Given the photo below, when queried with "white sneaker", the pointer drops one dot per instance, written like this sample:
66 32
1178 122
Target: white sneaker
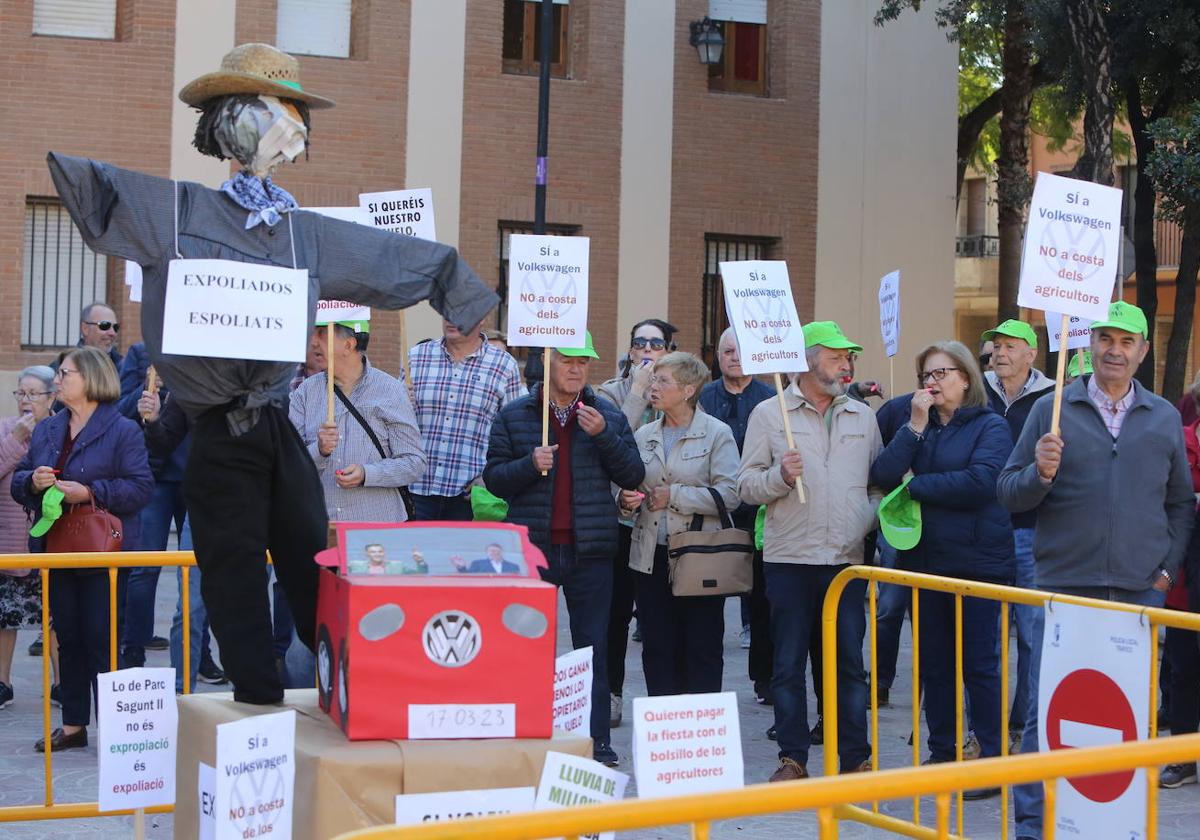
746 638
614 710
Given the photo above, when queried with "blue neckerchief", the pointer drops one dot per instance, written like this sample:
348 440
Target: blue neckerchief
263 199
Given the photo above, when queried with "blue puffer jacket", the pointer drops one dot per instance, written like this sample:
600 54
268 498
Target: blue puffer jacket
964 531
109 457
610 457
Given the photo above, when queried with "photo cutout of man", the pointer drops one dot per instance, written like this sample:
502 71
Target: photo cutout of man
493 564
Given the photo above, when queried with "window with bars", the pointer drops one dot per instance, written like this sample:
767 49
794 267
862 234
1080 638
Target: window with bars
719 248
60 274
507 229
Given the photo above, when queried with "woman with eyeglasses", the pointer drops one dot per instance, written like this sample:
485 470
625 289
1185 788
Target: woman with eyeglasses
649 341
92 454
20 590
955 446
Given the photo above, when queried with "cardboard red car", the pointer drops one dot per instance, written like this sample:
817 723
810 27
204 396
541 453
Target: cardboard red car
435 630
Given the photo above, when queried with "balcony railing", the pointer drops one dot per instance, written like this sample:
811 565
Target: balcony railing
979 245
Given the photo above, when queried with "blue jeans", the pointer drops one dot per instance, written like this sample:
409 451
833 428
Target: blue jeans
892 602
796 593
165 506
1027 799
587 586
197 618
1024 616
443 508
981 671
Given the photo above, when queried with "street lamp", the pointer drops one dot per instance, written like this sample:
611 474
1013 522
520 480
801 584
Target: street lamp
707 39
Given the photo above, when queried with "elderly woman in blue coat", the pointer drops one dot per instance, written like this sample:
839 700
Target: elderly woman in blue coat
955 447
89 452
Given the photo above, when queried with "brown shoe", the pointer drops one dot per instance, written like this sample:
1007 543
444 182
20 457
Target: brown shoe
789 771
60 741
864 767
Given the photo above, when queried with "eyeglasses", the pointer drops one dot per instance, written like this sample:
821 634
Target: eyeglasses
29 395
653 343
937 374
105 326
62 371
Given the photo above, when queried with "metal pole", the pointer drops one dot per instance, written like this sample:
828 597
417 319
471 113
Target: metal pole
534 361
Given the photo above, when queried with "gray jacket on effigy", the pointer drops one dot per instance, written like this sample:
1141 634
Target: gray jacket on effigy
1118 510
149 220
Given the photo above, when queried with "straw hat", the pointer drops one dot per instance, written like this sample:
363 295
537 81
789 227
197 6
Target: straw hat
253 68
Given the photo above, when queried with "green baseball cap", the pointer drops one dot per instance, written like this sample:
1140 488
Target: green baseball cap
1124 316
586 350
52 501
1073 370
828 334
900 518
1013 329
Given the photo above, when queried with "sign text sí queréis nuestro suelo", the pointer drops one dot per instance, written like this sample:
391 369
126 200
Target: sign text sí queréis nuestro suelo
405 211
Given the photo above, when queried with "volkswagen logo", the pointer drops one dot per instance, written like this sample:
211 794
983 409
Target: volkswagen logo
452 639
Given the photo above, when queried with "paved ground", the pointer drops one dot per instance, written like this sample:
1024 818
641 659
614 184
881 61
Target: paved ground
21 778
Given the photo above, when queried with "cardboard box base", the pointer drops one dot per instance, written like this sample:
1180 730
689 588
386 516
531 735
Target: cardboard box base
345 785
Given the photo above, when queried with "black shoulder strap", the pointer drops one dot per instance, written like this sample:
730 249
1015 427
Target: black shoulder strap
361 421
722 513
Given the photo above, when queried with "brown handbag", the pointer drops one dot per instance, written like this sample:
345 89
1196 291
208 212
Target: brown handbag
85 528
711 562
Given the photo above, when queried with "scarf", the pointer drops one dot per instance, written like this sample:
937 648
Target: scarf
265 201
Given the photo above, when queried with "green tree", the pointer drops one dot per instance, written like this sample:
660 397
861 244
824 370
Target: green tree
1175 167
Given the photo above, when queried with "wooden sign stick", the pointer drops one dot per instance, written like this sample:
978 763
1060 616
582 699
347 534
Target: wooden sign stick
545 400
787 431
151 384
1063 352
891 377
329 331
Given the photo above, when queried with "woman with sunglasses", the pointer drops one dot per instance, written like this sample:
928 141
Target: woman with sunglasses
20 590
955 446
649 341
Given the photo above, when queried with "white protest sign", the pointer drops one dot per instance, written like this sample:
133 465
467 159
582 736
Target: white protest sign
419 808
571 780
889 312
341 310
206 795
1092 691
1079 333
256 776
407 212
687 743
236 310
573 692
547 290
133 279
1072 243
137 737
758 300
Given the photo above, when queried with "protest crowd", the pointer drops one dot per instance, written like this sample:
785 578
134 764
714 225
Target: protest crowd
806 474
632 462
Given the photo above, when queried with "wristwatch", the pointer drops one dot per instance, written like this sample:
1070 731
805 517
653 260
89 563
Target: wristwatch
1170 578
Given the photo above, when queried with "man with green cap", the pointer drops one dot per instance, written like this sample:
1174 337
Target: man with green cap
563 494
1112 493
805 545
373 447
1013 386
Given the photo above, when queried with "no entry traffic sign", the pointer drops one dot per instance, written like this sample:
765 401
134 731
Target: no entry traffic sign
1088 709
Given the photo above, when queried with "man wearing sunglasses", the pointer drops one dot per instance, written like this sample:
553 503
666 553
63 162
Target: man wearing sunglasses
98 327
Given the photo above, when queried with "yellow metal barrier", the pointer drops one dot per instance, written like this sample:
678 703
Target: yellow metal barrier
829 796
44 563
960 589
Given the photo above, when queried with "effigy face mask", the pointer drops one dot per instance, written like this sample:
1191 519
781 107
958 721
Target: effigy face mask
261 133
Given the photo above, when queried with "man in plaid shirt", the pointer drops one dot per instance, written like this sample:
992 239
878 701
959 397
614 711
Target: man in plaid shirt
460 382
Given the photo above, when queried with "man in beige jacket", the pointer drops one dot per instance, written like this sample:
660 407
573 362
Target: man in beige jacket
806 544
